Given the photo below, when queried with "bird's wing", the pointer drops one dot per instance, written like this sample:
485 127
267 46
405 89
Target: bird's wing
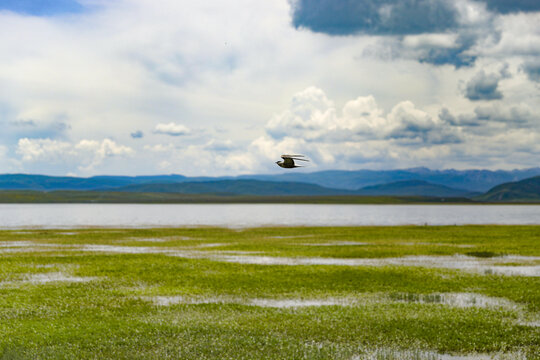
294 157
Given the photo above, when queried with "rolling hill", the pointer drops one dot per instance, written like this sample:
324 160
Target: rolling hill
414 188
237 187
472 180
51 183
527 190
267 188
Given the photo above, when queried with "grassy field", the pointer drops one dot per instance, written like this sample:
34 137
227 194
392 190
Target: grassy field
110 197
470 292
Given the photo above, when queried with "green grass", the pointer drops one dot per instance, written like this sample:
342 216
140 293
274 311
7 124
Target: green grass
383 312
111 197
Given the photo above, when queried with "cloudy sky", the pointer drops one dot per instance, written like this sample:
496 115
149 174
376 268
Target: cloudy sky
216 87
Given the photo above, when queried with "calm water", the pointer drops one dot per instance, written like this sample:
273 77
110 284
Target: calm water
250 215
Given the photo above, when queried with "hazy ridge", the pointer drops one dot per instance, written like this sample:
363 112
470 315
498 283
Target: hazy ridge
391 183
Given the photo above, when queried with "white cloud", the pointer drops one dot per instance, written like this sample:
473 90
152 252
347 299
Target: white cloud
431 40
519 36
130 65
172 129
159 148
87 154
363 136
44 150
313 117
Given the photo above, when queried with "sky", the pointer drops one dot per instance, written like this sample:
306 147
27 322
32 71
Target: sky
211 87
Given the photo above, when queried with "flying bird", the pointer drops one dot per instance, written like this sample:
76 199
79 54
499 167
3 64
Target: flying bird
288 161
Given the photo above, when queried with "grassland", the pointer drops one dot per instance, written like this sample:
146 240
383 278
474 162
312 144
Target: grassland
111 197
271 293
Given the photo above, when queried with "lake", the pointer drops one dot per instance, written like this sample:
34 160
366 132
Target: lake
14 216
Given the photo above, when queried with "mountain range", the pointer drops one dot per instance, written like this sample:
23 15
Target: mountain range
470 180
515 185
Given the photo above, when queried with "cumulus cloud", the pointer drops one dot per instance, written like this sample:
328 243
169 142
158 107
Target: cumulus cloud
313 117
496 117
411 123
374 17
432 31
362 134
396 17
532 69
86 153
511 6
137 134
43 150
172 129
485 86
516 115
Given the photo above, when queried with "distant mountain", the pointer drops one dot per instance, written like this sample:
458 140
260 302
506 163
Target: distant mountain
472 180
414 188
236 187
256 187
527 190
469 180
51 183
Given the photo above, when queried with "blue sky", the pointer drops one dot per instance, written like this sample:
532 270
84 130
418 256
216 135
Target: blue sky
213 88
42 7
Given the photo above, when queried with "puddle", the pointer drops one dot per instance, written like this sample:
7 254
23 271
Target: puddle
161 239
535 323
9 244
463 246
484 266
54 277
462 300
212 245
28 246
145 240
125 249
533 271
270 303
175 300
46 266
233 252
396 354
45 278
293 303
188 254
460 262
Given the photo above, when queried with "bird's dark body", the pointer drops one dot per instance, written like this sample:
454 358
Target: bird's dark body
288 161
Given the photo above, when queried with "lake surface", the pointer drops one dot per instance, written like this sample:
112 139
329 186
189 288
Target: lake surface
14 216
